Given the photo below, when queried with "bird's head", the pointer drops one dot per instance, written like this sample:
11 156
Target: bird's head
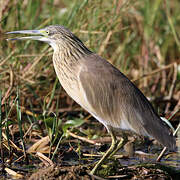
55 35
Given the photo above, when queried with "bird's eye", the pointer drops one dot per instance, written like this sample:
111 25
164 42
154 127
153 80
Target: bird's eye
47 32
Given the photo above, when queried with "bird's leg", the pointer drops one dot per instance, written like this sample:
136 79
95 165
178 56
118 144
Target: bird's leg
107 154
120 143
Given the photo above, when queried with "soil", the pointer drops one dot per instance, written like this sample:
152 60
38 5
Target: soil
79 172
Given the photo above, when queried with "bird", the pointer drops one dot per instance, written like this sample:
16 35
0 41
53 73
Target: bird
101 89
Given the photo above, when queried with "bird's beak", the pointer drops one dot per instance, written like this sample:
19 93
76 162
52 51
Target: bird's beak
42 35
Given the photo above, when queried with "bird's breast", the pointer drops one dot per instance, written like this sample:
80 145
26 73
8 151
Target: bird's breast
69 78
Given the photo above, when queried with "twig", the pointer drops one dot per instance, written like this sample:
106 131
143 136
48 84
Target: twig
29 129
105 42
44 159
26 79
13 173
33 55
90 32
172 87
7 57
177 129
96 177
161 154
18 159
156 82
35 63
23 109
12 143
119 176
92 155
154 72
177 108
163 81
83 138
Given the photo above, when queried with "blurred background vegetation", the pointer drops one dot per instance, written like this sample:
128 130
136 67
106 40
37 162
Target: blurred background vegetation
140 37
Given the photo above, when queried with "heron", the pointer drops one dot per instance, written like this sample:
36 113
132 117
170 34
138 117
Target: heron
101 89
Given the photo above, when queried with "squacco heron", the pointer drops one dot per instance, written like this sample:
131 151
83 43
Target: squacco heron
101 89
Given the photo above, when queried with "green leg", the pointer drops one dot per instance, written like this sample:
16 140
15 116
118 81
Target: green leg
107 154
118 146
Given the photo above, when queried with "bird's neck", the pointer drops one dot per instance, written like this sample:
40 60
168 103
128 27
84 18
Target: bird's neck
72 50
